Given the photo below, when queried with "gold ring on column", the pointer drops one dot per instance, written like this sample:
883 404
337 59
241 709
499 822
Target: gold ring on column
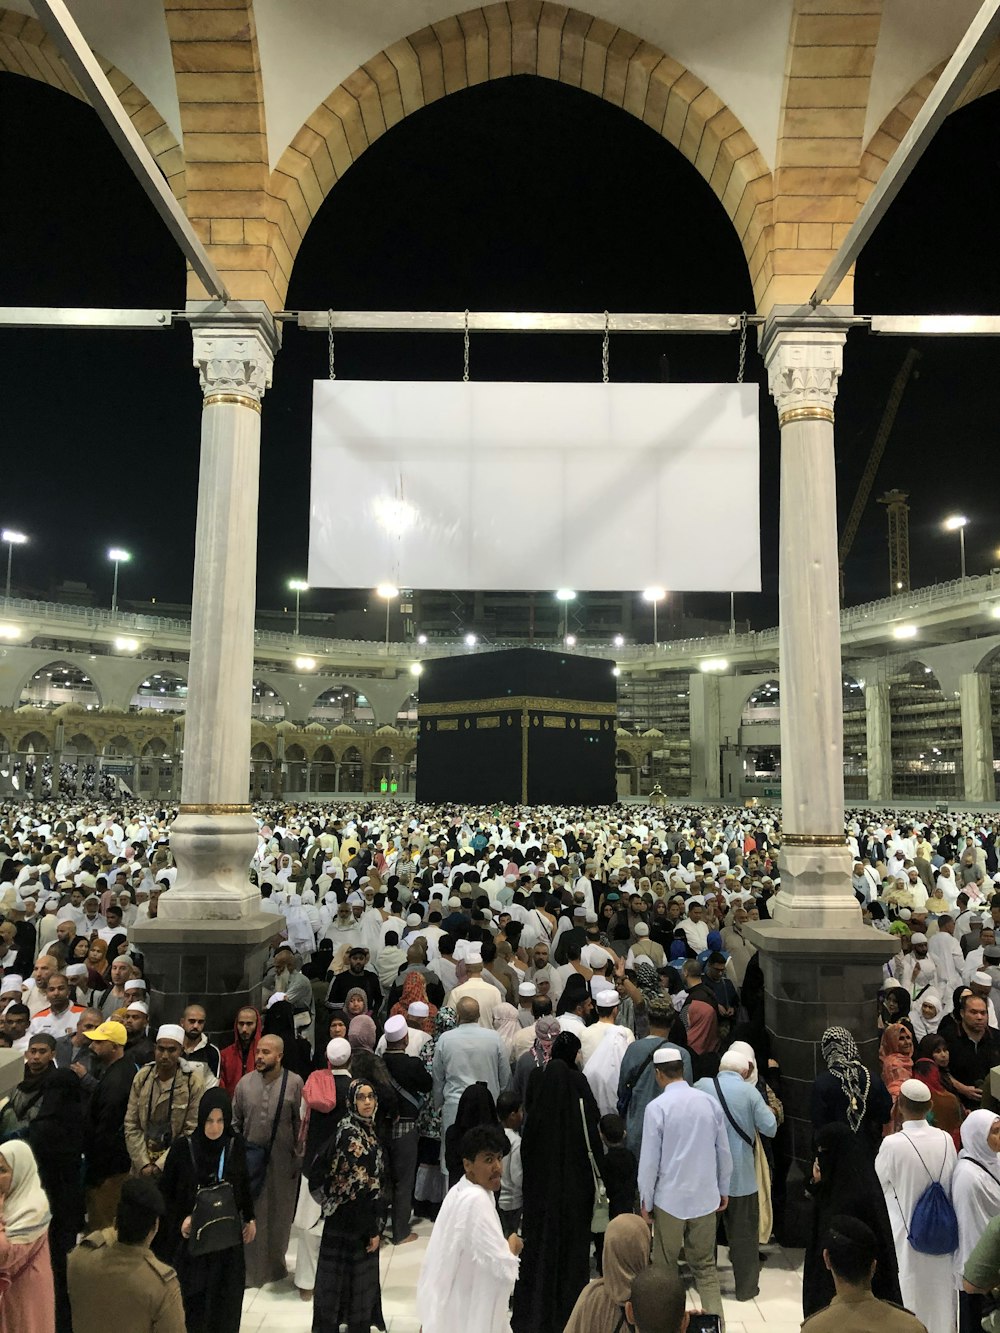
233 400
213 809
813 840
813 413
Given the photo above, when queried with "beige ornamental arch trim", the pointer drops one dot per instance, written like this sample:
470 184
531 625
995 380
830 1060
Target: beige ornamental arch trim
27 49
497 41
889 135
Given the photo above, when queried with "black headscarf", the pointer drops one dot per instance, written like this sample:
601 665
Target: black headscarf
566 1048
476 1107
208 1151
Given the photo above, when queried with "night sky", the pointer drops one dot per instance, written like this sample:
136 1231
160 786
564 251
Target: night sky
520 194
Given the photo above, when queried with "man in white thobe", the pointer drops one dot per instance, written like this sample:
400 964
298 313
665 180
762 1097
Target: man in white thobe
469 1270
906 1164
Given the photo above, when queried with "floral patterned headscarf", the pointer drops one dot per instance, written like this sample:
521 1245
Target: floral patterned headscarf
355 1165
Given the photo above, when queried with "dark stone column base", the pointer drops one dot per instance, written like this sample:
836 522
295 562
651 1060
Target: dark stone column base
218 964
815 979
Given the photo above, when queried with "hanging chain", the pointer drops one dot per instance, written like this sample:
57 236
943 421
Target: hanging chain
605 349
329 340
465 370
743 347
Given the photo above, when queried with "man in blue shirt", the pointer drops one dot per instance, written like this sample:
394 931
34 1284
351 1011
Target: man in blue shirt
637 1071
684 1174
747 1114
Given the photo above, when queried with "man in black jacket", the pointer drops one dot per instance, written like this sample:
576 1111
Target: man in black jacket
975 1049
107 1161
412 1082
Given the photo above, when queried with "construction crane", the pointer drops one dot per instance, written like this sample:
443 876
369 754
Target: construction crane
874 459
898 513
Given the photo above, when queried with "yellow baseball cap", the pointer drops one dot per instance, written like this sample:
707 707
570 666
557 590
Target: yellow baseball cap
109 1031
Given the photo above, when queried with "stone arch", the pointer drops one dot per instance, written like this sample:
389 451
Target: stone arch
499 41
33 742
925 732
154 749
263 689
74 663
763 694
158 673
28 50
118 747
80 742
889 135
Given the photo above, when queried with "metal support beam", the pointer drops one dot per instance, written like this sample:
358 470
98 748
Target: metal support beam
954 326
945 93
82 317
515 321
62 28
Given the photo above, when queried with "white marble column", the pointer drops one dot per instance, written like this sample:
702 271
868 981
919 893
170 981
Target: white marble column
804 366
977 736
878 740
215 835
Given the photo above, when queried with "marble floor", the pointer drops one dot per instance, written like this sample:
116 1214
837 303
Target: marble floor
278 1308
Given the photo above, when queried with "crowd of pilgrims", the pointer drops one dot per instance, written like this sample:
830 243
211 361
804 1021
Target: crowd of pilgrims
542 1029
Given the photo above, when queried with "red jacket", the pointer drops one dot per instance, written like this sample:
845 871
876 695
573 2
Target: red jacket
232 1066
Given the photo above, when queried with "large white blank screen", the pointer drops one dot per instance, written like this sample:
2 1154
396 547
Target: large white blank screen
494 486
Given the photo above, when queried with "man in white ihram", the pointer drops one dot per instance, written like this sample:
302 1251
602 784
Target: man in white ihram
906 1164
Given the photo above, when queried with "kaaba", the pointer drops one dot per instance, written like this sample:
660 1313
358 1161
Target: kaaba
522 726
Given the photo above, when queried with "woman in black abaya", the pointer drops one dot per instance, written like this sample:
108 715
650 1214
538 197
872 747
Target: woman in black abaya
844 1183
555 1262
211 1284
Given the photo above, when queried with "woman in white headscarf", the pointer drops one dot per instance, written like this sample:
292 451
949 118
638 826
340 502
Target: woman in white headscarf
925 1014
975 1196
28 1304
506 1025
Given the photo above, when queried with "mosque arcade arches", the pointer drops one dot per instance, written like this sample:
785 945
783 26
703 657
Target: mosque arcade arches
499 41
27 49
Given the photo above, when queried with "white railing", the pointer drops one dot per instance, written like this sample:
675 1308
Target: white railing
755 643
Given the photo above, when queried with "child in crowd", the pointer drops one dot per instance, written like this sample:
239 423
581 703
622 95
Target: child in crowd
510 1113
621 1174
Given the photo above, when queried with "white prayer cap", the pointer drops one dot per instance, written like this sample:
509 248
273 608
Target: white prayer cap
474 955
641 930
355 900
134 984
414 919
667 1055
696 900
981 979
51 905
591 918
918 938
418 1009
607 999
527 989
72 972
170 1032
904 914
734 1062
395 1028
338 1052
510 879
580 911
278 995
364 880
12 982
137 1007
454 902
915 1091
66 921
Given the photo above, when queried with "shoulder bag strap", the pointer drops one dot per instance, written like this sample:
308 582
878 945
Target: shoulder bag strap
598 1180
729 1115
982 1168
922 1162
633 1079
277 1114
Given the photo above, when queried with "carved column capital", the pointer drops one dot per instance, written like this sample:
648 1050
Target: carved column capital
234 363
803 370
